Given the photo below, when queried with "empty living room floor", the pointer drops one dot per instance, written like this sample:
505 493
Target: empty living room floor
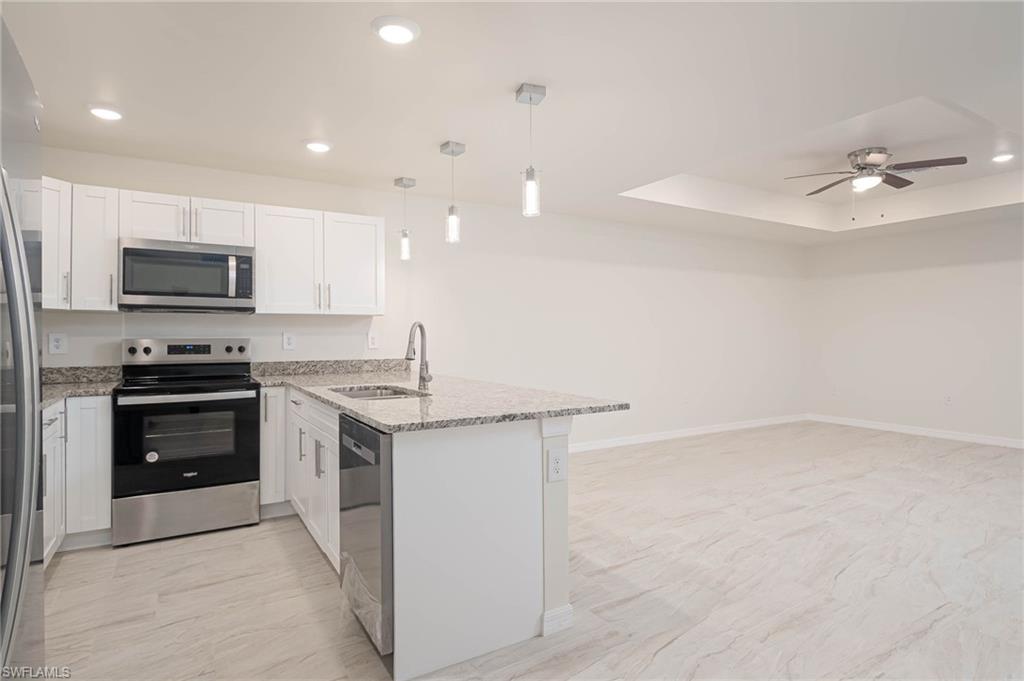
803 551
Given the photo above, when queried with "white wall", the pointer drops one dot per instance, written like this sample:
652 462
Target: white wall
921 329
693 330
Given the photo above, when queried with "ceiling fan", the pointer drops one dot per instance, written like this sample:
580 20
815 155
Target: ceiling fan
870 170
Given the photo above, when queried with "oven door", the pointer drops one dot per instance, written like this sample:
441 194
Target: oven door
164 443
170 275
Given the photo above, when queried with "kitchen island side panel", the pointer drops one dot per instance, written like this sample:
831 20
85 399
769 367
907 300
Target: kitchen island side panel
468 542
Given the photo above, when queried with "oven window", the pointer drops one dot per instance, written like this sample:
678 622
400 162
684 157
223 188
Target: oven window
157 272
189 436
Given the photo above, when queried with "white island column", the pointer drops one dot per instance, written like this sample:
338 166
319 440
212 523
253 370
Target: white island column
555 460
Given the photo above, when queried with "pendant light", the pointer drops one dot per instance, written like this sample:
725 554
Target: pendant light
405 242
531 95
452 225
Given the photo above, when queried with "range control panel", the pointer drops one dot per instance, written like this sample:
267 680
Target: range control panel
183 350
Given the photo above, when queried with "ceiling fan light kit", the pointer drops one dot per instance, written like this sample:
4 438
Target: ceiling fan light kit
871 167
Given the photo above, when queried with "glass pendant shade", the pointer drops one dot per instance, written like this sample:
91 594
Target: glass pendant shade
531 193
405 246
451 226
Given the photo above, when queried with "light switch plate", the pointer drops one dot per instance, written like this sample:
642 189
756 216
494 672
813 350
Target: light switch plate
287 341
58 343
371 341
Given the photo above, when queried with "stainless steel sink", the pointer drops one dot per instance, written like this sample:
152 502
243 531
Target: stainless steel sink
377 392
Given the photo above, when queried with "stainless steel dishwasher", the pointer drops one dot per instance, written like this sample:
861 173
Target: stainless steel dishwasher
367 577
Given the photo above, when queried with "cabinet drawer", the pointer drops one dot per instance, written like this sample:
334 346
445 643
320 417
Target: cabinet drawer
313 411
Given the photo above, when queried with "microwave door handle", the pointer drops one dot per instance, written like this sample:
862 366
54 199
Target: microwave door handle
232 275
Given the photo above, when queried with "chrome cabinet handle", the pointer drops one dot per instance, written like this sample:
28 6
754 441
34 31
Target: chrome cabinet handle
64 427
111 289
67 286
328 296
266 407
195 223
319 298
184 223
302 454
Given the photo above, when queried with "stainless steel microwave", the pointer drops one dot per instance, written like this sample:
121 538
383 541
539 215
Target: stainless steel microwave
171 276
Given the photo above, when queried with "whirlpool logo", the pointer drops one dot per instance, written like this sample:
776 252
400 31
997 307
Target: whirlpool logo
190 474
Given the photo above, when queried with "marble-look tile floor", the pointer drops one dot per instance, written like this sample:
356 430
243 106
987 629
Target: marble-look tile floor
796 551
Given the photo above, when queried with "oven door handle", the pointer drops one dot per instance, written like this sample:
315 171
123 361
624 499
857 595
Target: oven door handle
186 398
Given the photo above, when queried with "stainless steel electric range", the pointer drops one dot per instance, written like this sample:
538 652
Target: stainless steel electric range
186 439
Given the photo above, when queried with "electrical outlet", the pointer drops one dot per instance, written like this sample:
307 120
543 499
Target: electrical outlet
948 400
287 341
557 464
58 343
371 341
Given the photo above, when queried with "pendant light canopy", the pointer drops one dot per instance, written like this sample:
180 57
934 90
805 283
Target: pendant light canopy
405 243
531 95
452 225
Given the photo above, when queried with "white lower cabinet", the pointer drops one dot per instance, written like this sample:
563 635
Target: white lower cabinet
88 455
312 470
54 507
273 448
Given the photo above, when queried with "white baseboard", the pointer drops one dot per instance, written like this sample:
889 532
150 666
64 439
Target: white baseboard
556 620
682 432
644 438
277 510
85 540
976 438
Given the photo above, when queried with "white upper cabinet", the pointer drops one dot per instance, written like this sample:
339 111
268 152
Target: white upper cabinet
288 276
229 223
353 252
56 233
145 215
93 248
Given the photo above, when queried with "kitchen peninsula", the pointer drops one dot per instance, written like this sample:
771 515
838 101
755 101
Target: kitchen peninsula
479 510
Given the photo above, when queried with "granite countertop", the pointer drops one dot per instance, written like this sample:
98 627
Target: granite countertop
452 401
55 392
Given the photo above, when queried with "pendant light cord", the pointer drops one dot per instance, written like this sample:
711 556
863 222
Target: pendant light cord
405 219
531 132
453 179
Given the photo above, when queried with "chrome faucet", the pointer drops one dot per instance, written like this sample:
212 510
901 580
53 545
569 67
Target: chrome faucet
410 353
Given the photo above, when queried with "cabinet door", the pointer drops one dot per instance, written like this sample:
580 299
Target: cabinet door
272 447
60 478
353 253
51 444
295 480
288 276
317 478
55 228
333 463
145 215
228 223
88 463
93 248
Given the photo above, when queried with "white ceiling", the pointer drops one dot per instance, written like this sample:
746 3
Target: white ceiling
637 92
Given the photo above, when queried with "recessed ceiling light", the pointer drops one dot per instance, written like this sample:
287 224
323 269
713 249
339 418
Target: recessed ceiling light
1002 158
318 146
396 30
105 113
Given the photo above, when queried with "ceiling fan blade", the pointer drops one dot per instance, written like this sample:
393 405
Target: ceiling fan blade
895 181
930 163
837 172
828 186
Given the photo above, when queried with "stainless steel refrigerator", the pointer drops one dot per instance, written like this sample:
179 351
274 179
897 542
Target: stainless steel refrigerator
21 542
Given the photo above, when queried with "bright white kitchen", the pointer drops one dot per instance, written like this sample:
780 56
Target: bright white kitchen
706 384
